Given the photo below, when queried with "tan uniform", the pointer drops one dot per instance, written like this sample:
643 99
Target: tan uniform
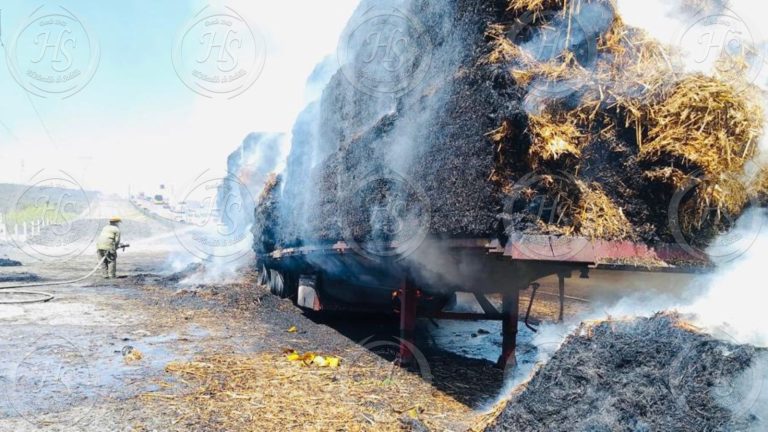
106 246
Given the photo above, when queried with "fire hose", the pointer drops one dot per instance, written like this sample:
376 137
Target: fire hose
44 297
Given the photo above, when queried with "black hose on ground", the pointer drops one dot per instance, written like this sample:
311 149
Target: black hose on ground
45 297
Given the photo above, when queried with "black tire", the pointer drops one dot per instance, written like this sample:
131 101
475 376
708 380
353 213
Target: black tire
275 283
263 276
283 284
290 286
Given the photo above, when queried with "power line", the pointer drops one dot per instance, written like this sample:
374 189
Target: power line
40 118
9 131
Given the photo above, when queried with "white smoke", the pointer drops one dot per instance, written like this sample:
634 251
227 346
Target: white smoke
722 28
732 297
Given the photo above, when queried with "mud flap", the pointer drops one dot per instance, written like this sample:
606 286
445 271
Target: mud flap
308 297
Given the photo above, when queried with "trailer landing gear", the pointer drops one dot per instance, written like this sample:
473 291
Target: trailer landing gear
408 312
408 307
511 312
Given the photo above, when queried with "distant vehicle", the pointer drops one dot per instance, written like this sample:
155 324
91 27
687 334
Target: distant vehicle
158 199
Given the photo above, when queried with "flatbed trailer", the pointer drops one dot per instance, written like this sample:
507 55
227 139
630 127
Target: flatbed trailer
342 276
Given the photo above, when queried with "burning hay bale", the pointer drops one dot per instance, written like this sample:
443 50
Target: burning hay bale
554 142
263 232
640 374
671 128
550 88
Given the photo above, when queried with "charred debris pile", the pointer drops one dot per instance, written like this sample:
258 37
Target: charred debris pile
536 116
643 374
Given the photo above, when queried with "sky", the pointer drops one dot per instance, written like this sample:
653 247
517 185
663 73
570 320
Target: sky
136 123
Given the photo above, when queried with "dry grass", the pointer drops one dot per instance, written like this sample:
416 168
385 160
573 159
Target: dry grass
267 392
597 216
702 122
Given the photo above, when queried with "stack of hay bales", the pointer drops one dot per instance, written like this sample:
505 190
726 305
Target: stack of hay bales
603 121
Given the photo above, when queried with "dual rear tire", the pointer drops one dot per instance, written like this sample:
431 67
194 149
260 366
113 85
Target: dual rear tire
282 284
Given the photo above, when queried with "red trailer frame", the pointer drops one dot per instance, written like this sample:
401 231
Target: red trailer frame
526 259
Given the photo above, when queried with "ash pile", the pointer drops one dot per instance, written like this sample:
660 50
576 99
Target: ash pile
644 374
502 108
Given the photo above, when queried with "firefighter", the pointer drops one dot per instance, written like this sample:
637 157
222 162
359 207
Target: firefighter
107 245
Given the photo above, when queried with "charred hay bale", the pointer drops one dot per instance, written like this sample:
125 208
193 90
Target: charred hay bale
564 205
267 217
432 137
543 203
640 374
629 128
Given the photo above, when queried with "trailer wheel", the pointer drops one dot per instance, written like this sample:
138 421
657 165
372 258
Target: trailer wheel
282 284
263 276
